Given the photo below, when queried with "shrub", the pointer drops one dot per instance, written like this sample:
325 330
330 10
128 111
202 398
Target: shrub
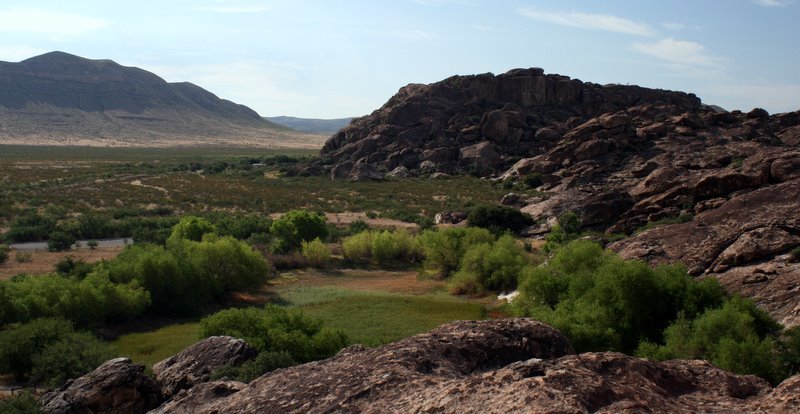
533 180
68 266
498 218
21 256
567 229
316 252
3 253
382 247
443 249
60 241
263 363
49 351
276 329
736 337
602 302
796 254
22 403
92 244
295 227
358 226
86 302
494 266
191 228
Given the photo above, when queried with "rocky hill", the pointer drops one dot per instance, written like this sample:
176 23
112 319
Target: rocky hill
724 187
58 98
499 366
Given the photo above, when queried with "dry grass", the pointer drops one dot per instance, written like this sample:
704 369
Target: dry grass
43 261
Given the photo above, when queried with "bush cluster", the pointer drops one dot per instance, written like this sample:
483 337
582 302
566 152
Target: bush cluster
494 266
498 219
49 352
3 253
381 247
283 337
602 302
316 252
443 249
295 227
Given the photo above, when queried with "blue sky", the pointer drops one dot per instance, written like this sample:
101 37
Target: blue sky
327 59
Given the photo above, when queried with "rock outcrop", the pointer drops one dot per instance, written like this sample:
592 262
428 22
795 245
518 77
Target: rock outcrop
116 387
497 366
194 364
479 123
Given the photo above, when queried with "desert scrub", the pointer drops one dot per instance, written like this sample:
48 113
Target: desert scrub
316 252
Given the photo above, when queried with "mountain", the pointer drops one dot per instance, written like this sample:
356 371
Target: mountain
677 180
311 125
59 98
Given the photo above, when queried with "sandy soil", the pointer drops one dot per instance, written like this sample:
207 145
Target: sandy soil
43 261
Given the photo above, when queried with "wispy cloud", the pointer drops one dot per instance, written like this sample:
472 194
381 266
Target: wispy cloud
772 3
674 26
679 52
588 21
48 22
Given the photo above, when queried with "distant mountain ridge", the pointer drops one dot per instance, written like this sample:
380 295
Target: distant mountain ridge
59 98
311 125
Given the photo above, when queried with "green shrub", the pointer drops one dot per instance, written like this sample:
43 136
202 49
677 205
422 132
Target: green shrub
737 337
316 252
22 403
567 229
21 256
498 218
602 302
295 227
86 302
92 244
534 180
242 226
276 329
49 351
382 247
796 254
60 241
191 228
263 363
494 266
357 226
3 253
443 249
68 266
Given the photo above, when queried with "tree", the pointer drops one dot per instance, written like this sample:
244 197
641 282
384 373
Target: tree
295 227
60 241
3 253
498 218
191 228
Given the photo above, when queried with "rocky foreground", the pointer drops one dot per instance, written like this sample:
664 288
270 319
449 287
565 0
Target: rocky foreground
497 366
621 157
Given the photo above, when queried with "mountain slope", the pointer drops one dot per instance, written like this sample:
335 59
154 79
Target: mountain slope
311 125
58 98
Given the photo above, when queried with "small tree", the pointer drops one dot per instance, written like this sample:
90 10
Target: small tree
295 227
498 218
60 241
92 244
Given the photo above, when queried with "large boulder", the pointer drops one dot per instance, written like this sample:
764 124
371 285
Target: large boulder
195 364
118 386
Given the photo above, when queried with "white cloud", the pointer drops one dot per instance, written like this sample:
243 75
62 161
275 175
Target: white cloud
772 3
588 21
19 53
30 20
679 52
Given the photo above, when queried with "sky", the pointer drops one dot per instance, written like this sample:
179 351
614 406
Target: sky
341 58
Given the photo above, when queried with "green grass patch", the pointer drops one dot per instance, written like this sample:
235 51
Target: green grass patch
376 318
150 347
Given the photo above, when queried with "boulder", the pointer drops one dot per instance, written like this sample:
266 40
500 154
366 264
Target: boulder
195 364
449 217
481 156
118 386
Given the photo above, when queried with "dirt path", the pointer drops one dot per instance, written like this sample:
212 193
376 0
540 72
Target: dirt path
138 183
